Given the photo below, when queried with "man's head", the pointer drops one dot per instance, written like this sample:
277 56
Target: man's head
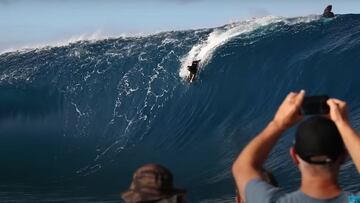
318 141
151 182
328 8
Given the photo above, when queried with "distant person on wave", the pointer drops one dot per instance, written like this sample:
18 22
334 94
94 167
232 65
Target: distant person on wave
193 70
319 150
327 12
153 183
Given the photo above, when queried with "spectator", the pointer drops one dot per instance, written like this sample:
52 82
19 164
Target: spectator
318 153
153 183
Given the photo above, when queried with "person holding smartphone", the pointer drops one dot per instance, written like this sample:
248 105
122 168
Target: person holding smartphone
319 150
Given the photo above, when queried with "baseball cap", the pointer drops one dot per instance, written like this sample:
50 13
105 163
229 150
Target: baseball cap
318 141
151 182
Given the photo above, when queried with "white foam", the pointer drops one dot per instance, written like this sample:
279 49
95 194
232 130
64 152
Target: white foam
204 50
98 35
92 37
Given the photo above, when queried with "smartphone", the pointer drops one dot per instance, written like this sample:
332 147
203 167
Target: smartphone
315 105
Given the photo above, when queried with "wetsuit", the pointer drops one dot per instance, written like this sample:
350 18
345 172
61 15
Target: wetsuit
193 69
194 66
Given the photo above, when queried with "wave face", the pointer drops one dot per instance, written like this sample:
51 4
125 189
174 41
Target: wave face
77 120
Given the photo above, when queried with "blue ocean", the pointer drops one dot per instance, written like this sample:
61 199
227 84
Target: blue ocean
77 120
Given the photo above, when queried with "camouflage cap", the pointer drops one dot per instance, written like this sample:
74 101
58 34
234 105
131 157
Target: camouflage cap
151 182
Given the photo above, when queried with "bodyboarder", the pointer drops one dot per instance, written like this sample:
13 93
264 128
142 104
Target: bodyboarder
193 70
327 12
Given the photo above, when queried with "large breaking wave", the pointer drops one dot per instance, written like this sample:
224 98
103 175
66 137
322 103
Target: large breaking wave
76 120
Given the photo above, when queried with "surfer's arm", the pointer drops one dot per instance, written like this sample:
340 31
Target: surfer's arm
338 114
249 163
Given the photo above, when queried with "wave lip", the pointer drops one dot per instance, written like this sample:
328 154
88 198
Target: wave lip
204 50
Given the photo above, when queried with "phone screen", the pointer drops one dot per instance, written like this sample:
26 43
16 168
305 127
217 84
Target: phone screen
315 105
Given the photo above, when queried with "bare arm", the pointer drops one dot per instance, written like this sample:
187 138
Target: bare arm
338 113
249 163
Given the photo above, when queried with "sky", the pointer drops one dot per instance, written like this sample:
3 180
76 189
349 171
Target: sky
31 23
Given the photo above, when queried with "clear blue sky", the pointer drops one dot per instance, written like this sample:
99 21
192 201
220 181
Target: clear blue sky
30 22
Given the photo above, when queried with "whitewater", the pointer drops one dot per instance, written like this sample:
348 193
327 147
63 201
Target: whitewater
79 117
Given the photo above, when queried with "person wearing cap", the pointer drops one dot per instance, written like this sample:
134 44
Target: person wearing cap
318 152
153 183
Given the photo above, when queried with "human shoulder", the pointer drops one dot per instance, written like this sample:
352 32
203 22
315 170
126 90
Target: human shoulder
259 191
299 196
263 192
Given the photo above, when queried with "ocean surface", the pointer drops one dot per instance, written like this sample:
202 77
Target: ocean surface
77 120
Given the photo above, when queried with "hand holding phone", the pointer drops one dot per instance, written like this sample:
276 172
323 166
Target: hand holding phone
313 105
